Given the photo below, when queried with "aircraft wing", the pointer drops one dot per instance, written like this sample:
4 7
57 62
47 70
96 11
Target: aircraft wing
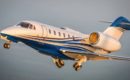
91 56
107 57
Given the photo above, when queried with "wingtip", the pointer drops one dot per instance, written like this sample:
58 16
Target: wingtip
120 58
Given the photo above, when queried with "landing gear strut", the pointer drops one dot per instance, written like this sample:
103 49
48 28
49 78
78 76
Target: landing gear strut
6 45
78 65
58 62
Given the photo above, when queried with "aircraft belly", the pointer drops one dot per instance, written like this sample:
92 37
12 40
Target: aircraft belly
72 55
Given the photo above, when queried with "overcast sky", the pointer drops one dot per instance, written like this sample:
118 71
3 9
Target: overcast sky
23 63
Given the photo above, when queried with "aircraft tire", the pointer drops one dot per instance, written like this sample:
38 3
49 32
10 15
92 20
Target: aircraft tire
6 45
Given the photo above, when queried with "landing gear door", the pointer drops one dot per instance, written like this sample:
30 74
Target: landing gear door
44 31
41 31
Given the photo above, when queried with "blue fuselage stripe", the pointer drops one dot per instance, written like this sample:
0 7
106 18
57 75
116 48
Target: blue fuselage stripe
44 48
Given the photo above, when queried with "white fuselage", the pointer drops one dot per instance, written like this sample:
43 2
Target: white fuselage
38 30
43 30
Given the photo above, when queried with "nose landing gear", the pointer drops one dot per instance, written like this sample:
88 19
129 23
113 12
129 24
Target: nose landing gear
6 45
78 65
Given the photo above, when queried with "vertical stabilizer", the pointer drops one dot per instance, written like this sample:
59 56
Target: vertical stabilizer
117 28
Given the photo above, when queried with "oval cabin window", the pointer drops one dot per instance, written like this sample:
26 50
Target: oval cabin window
54 32
59 34
49 31
64 35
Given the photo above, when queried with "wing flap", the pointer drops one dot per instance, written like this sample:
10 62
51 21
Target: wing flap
91 56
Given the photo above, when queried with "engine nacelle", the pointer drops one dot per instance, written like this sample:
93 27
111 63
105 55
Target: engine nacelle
101 40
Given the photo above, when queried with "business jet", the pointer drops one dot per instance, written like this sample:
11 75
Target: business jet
68 44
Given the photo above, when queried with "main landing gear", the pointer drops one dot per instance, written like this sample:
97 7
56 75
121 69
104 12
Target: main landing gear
58 62
78 65
7 45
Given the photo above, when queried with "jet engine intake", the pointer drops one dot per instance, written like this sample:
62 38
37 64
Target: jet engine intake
101 40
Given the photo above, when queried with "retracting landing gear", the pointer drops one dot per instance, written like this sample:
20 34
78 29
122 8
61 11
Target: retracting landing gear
58 62
78 65
7 45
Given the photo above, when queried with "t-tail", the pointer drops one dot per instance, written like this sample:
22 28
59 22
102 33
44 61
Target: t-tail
117 27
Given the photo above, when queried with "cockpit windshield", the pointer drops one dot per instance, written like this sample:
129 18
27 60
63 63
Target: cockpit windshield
27 25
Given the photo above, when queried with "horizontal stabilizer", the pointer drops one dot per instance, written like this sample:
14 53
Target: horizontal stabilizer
105 21
124 23
121 22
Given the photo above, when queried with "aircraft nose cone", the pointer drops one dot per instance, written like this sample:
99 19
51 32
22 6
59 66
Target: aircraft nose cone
7 31
3 32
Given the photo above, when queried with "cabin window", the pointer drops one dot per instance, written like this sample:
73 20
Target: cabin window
34 27
68 36
73 37
54 32
49 31
59 34
64 34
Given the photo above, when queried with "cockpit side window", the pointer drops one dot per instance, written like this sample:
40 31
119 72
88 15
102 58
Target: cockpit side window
27 25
